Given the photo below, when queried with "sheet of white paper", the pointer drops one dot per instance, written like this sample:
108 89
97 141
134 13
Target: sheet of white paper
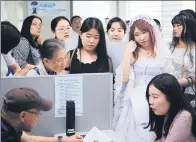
115 136
68 88
95 135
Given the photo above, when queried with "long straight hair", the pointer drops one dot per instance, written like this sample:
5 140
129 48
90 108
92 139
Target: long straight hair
101 51
188 36
25 31
170 87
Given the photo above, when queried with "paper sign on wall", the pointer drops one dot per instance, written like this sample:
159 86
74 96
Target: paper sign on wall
47 8
68 88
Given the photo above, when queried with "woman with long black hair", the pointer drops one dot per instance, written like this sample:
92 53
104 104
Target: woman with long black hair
183 50
26 52
170 116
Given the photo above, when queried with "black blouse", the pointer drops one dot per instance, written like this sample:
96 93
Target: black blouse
77 66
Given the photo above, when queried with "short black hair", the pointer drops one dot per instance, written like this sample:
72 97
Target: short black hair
10 37
127 21
74 17
157 22
116 19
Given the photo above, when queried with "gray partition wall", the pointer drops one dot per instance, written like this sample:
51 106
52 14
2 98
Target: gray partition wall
97 102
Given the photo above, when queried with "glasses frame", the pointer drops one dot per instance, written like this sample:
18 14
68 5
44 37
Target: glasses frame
37 113
37 25
63 30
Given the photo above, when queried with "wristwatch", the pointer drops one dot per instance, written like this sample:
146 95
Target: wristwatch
60 138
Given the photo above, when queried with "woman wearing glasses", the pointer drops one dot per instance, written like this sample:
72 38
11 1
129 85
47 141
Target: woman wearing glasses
26 52
61 29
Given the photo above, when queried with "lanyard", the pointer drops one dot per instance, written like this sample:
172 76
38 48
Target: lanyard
3 126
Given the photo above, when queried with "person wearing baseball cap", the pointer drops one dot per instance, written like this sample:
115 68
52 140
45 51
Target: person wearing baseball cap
20 111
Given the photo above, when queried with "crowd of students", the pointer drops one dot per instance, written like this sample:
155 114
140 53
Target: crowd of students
154 84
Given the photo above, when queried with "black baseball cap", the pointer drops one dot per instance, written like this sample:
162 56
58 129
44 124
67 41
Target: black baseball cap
23 99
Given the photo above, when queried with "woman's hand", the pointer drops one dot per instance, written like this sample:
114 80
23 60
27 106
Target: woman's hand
63 72
131 46
40 40
22 72
30 66
128 54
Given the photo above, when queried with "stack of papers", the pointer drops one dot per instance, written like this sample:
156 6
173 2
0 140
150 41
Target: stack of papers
95 135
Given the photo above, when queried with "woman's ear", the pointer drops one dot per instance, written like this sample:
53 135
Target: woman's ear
54 34
45 61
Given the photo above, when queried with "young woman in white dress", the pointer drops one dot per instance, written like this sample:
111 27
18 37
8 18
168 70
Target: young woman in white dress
145 56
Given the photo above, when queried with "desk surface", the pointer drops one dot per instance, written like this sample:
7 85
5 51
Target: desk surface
109 133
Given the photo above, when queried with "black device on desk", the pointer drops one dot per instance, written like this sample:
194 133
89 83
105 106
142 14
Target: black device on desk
83 135
70 118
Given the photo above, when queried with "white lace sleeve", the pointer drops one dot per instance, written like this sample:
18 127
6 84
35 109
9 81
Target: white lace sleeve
119 85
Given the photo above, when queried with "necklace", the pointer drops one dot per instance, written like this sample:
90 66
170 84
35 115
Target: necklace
147 53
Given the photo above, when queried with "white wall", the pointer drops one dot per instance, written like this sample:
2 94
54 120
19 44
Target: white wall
102 9
189 5
122 10
99 9
3 11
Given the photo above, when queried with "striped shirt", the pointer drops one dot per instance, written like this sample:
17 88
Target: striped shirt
25 54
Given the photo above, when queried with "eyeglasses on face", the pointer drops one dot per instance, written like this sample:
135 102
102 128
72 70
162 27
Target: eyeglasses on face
62 30
37 113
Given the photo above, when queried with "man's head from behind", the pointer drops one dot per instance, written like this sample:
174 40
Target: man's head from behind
107 20
76 22
22 107
158 24
10 37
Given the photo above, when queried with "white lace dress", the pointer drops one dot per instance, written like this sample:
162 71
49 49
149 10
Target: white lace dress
131 110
